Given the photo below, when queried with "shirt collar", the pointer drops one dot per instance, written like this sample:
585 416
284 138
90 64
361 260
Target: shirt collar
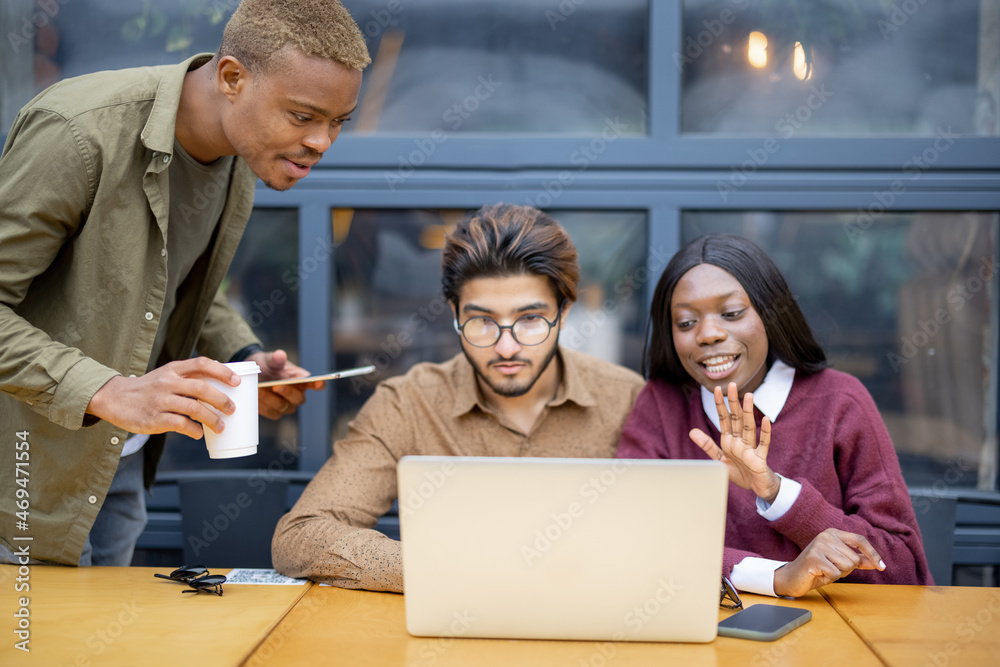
571 388
769 398
158 133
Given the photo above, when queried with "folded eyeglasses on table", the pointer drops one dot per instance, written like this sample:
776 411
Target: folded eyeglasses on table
197 577
729 599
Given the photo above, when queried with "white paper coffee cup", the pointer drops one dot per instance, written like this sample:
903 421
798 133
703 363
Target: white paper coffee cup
240 437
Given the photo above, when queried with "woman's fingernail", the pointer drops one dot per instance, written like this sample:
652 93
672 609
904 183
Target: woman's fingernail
881 565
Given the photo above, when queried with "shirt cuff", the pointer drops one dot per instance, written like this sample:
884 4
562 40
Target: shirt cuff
242 355
755 575
788 493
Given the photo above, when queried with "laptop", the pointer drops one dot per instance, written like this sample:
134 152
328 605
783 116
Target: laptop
548 548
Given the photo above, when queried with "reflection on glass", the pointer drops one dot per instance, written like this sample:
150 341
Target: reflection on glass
93 35
389 311
859 68
905 305
263 286
551 66
801 67
757 49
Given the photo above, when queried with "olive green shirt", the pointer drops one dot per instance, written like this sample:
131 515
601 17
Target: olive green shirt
84 208
435 409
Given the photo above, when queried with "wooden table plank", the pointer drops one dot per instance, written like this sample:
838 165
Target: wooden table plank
363 628
126 616
923 625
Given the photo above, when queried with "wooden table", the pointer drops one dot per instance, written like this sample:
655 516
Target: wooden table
126 616
916 625
361 628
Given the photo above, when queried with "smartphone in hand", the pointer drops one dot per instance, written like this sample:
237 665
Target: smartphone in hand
763 622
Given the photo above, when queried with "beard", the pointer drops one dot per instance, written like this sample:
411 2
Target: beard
511 388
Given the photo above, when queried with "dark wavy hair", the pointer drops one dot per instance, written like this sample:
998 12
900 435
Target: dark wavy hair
507 240
789 337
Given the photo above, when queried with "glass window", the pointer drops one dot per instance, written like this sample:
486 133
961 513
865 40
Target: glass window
262 286
551 66
907 305
92 35
840 67
389 311
526 66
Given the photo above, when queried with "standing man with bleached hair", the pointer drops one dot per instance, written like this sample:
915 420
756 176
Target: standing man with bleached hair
123 196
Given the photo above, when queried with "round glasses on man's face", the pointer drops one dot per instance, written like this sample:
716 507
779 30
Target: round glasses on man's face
527 330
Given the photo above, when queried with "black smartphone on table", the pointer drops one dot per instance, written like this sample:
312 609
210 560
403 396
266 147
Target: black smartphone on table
763 622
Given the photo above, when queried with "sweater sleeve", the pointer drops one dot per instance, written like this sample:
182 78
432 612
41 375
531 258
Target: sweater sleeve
875 500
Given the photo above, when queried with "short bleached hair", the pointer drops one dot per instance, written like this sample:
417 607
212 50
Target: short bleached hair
259 29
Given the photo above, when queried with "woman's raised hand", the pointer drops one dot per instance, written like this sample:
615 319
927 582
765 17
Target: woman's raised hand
738 448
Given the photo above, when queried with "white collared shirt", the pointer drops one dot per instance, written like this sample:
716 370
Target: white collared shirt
756 575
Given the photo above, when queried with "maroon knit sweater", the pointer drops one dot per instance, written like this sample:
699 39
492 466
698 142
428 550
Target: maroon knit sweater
830 438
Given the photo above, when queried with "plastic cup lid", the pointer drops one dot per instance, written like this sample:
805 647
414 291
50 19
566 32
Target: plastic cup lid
244 367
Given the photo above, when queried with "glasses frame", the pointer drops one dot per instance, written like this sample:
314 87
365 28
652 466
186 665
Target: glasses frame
197 577
729 592
210 583
460 329
185 573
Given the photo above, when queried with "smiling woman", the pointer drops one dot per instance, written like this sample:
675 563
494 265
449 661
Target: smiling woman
816 494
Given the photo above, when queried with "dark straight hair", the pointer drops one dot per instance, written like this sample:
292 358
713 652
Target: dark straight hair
789 337
508 240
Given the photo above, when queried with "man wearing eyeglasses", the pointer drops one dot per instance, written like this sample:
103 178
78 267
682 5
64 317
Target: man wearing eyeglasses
510 274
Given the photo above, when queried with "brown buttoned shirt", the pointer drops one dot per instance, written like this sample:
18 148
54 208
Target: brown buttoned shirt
434 409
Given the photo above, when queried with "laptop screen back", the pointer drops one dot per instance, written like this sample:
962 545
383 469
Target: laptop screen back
595 549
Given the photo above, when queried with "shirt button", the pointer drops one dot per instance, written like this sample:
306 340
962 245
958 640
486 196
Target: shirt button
166 159
92 500
163 252
114 440
149 316
132 375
